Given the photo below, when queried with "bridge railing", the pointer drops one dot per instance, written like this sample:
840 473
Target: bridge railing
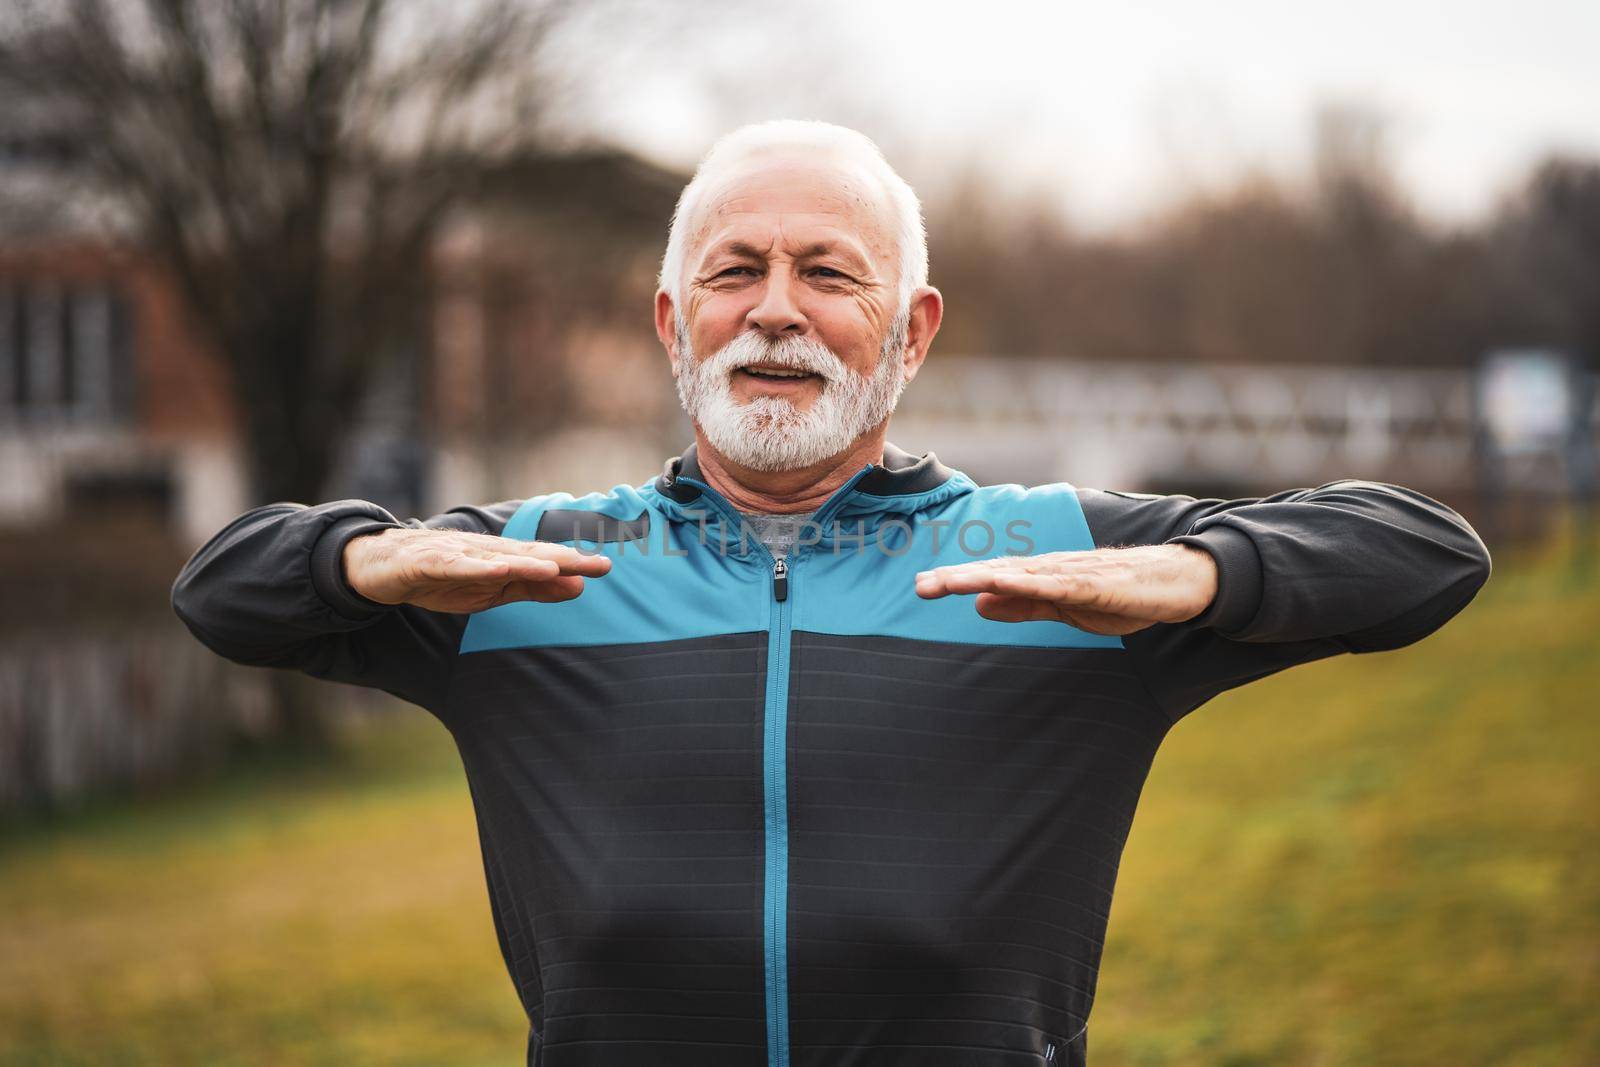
1127 422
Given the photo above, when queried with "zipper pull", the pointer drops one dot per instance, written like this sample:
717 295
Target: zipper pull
780 579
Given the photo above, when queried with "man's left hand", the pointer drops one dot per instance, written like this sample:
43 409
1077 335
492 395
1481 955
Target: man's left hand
1104 591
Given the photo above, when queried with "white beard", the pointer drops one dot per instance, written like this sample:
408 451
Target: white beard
769 433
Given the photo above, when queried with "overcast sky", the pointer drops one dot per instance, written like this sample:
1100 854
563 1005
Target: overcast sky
1113 107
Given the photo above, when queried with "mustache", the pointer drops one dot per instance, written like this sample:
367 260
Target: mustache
790 353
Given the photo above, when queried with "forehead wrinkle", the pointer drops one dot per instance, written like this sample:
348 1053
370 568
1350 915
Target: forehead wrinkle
852 196
740 248
846 245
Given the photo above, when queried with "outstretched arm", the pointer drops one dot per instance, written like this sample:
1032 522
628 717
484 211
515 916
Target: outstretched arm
345 591
1347 566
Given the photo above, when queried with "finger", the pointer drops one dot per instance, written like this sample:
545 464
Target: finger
467 569
547 561
937 582
1015 608
566 587
584 565
551 591
565 556
529 568
1055 587
568 560
479 568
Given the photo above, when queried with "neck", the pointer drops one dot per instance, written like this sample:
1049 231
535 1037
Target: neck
781 492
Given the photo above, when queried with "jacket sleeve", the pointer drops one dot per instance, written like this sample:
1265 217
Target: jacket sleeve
269 590
1348 566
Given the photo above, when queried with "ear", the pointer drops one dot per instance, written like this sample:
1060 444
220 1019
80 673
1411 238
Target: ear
667 327
927 312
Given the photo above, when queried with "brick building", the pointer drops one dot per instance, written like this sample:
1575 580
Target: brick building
107 397
537 354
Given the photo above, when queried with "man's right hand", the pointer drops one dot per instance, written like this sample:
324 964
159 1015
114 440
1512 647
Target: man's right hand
456 572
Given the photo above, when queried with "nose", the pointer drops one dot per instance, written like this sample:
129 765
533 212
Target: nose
777 312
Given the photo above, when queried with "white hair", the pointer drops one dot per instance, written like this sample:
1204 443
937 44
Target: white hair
809 140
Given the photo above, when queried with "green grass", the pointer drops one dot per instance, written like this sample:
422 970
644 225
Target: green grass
1379 859
332 913
1376 860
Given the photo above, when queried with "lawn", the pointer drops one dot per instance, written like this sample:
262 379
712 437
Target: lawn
1378 860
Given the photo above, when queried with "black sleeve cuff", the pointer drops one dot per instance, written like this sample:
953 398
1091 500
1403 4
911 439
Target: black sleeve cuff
1238 596
327 568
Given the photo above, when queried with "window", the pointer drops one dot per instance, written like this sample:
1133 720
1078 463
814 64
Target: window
64 352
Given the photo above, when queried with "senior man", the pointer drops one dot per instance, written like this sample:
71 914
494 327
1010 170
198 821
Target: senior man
757 780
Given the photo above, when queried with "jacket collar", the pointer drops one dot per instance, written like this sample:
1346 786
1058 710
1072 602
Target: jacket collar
900 474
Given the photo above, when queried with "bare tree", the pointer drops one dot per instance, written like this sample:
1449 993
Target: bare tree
288 162
1546 258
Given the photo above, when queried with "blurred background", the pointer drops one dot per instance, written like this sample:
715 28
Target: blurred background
267 250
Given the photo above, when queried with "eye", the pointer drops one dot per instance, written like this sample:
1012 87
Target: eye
828 272
731 271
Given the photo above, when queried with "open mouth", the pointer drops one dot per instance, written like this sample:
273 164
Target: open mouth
780 375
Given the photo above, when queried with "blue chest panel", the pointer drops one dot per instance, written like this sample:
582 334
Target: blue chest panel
867 586
664 587
673 584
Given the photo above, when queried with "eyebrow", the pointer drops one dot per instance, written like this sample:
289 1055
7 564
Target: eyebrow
818 248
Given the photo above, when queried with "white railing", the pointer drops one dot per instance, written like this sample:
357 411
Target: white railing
1100 423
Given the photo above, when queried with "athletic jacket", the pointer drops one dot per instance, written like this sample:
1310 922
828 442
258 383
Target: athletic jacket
736 811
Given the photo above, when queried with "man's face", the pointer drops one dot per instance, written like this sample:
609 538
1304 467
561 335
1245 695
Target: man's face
788 346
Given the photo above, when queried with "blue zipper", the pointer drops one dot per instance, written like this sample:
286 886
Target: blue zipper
774 772
775 802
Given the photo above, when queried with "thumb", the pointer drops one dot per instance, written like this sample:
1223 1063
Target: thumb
1002 608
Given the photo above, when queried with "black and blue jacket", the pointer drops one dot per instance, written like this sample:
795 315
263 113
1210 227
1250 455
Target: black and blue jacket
740 812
